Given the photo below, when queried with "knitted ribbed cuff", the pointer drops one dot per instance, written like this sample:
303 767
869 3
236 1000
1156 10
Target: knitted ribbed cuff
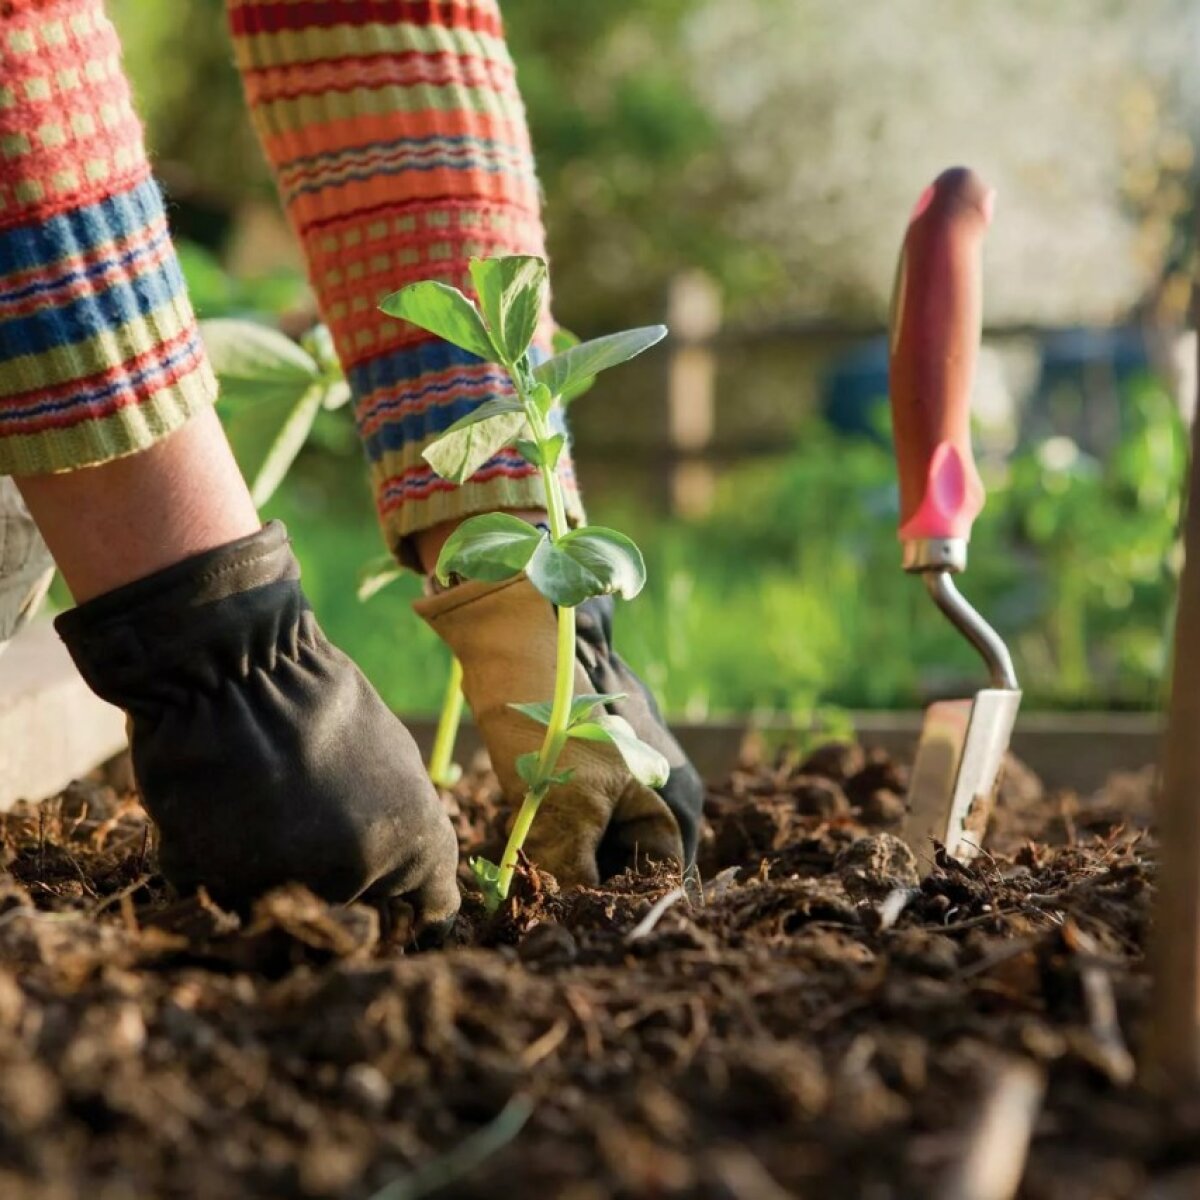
99 353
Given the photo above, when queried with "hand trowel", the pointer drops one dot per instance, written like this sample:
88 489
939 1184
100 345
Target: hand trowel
936 325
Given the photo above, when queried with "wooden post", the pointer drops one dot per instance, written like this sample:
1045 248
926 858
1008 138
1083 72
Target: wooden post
1175 1027
694 316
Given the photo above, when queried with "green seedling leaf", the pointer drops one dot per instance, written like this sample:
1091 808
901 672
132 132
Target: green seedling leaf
512 293
531 452
337 395
318 342
267 435
492 547
245 351
480 435
527 767
443 310
546 453
539 711
542 398
375 575
498 406
487 875
587 562
645 763
563 339
572 372
582 707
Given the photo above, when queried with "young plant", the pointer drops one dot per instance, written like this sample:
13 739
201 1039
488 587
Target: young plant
567 566
272 390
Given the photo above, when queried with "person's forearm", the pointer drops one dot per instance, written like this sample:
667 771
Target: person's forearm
400 147
109 525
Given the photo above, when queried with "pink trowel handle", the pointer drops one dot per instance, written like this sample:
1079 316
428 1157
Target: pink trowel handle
937 314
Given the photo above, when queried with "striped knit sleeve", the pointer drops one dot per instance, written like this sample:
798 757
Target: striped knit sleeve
400 148
99 354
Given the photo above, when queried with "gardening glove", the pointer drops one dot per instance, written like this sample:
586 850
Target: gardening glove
602 820
261 751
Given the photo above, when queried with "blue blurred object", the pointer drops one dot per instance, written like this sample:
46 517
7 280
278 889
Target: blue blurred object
854 392
1077 394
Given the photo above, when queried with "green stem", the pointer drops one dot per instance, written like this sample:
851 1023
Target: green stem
552 746
564 667
441 762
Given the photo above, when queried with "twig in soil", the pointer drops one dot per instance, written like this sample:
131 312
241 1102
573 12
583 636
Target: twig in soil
36 914
586 1016
998 1143
1101 1004
720 883
659 1004
545 1045
472 1152
646 925
118 897
744 1175
1013 949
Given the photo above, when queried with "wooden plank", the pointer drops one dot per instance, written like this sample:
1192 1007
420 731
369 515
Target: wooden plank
1175 1026
1067 750
52 728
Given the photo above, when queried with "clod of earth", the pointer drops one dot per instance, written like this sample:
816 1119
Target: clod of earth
813 1021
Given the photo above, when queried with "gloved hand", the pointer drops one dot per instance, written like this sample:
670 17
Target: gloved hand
261 751
602 821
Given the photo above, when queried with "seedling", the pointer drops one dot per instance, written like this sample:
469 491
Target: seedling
567 566
272 390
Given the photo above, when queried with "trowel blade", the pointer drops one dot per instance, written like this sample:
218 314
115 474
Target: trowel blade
956 772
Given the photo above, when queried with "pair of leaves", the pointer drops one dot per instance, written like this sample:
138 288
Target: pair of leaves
587 562
487 875
645 763
512 293
273 391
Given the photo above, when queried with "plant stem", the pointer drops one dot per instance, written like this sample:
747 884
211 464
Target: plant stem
564 665
441 761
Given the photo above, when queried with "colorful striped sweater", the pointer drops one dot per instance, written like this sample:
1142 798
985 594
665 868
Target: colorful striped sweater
400 148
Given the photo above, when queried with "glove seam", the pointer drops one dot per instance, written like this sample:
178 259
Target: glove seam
91 626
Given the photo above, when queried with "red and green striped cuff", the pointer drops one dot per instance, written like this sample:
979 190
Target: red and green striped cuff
99 354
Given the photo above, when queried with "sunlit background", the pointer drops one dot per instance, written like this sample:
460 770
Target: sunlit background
743 169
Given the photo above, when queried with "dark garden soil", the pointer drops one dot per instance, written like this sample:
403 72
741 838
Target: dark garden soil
812 1021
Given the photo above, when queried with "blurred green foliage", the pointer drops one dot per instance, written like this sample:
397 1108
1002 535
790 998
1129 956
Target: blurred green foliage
790 597
791 594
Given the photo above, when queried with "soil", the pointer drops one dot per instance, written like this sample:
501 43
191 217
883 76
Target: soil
813 1020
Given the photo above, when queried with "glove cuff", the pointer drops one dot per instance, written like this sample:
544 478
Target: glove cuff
217 614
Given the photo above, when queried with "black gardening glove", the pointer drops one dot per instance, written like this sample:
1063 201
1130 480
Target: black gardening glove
684 790
261 751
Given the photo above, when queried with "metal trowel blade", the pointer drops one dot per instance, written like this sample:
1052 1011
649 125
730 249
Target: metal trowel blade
956 772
